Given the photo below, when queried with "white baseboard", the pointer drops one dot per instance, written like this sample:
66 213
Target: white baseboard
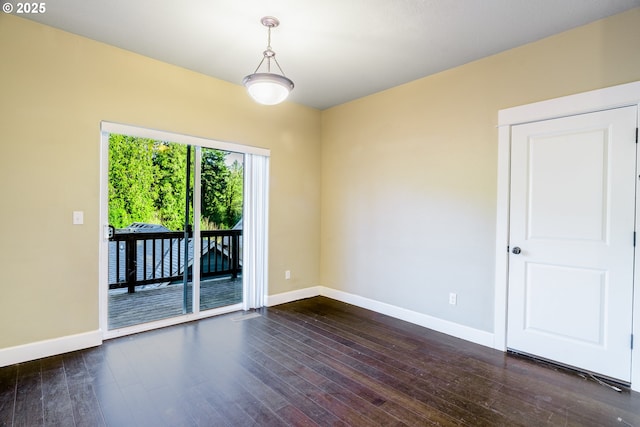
446 327
291 296
46 348
37 350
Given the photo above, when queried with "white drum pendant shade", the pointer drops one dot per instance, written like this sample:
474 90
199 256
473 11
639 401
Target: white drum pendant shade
268 88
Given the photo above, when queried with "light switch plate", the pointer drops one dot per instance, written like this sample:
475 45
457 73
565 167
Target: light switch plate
78 217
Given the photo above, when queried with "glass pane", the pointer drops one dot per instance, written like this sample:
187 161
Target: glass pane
221 189
150 188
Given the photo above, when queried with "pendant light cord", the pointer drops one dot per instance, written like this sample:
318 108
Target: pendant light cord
269 54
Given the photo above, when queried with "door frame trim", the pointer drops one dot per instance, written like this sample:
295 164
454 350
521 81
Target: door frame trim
587 102
258 273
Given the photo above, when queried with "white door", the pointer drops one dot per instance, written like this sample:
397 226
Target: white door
572 240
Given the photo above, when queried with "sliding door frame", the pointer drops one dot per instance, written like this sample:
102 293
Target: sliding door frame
255 225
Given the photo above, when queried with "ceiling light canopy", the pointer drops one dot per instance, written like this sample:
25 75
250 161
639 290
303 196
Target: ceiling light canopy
268 88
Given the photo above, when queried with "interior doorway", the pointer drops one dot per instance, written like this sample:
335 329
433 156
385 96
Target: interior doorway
571 240
173 216
571 230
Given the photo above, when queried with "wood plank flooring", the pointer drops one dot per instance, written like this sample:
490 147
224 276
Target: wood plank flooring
311 362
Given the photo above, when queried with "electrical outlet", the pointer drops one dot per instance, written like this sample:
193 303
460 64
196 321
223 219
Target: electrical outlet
287 274
453 298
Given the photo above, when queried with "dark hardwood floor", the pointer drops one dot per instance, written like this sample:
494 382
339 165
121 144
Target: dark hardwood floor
311 362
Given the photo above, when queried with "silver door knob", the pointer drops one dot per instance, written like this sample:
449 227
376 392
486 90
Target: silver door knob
516 250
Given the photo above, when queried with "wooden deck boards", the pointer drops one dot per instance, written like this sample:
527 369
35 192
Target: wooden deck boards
154 304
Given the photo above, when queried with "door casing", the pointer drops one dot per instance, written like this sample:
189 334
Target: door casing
255 276
597 100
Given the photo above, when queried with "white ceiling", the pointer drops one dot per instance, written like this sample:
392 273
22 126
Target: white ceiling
334 50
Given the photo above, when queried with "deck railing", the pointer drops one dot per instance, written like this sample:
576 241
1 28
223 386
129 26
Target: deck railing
137 259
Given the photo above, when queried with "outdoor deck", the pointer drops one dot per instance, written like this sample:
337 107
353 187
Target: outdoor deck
154 304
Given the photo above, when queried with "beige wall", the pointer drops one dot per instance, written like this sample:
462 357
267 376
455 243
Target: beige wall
397 204
55 88
409 174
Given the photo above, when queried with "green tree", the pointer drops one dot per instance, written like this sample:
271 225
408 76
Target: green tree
213 178
131 180
147 183
234 194
170 159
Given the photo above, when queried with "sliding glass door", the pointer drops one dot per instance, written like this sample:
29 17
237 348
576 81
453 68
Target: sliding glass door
175 221
221 207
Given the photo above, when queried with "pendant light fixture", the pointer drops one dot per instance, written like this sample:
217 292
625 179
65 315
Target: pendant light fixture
268 88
